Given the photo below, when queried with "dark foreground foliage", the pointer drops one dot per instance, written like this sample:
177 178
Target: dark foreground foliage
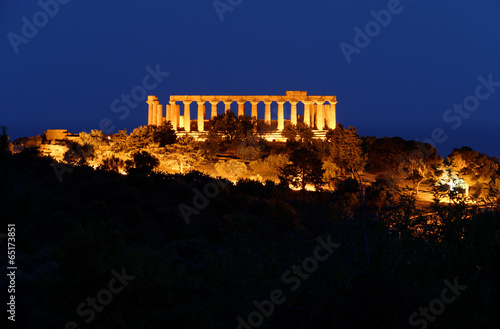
241 239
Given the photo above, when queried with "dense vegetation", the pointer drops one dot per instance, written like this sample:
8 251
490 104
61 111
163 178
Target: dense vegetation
204 251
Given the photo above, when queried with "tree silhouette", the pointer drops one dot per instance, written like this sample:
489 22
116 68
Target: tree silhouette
165 134
305 168
79 154
142 162
4 140
113 164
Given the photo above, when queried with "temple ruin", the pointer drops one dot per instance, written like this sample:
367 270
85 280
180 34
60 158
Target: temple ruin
319 111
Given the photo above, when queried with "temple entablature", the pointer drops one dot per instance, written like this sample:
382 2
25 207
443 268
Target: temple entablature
317 114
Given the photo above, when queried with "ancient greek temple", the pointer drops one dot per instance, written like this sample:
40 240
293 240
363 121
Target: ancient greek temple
319 111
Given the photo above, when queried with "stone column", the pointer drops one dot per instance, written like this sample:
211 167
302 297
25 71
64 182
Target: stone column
254 108
174 115
150 102
333 115
214 108
320 116
314 115
241 108
201 116
267 113
227 106
307 112
293 114
154 119
159 114
281 116
168 116
187 115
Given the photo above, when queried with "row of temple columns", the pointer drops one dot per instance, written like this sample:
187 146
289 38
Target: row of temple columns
316 113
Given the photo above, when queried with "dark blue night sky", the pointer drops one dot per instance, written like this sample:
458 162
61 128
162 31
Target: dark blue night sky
403 80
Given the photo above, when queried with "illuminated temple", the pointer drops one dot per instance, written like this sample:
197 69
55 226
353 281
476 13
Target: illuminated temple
319 111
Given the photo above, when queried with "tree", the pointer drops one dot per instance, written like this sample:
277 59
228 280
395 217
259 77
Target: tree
419 162
224 124
250 149
182 154
140 137
345 149
232 128
332 173
165 134
119 142
232 168
269 168
4 140
95 138
113 164
142 162
382 193
305 168
477 169
301 132
79 154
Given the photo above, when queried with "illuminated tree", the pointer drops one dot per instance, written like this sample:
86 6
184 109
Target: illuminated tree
79 155
94 138
477 169
420 164
269 168
232 128
140 137
301 132
182 155
305 168
345 150
232 168
250 149
119 142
